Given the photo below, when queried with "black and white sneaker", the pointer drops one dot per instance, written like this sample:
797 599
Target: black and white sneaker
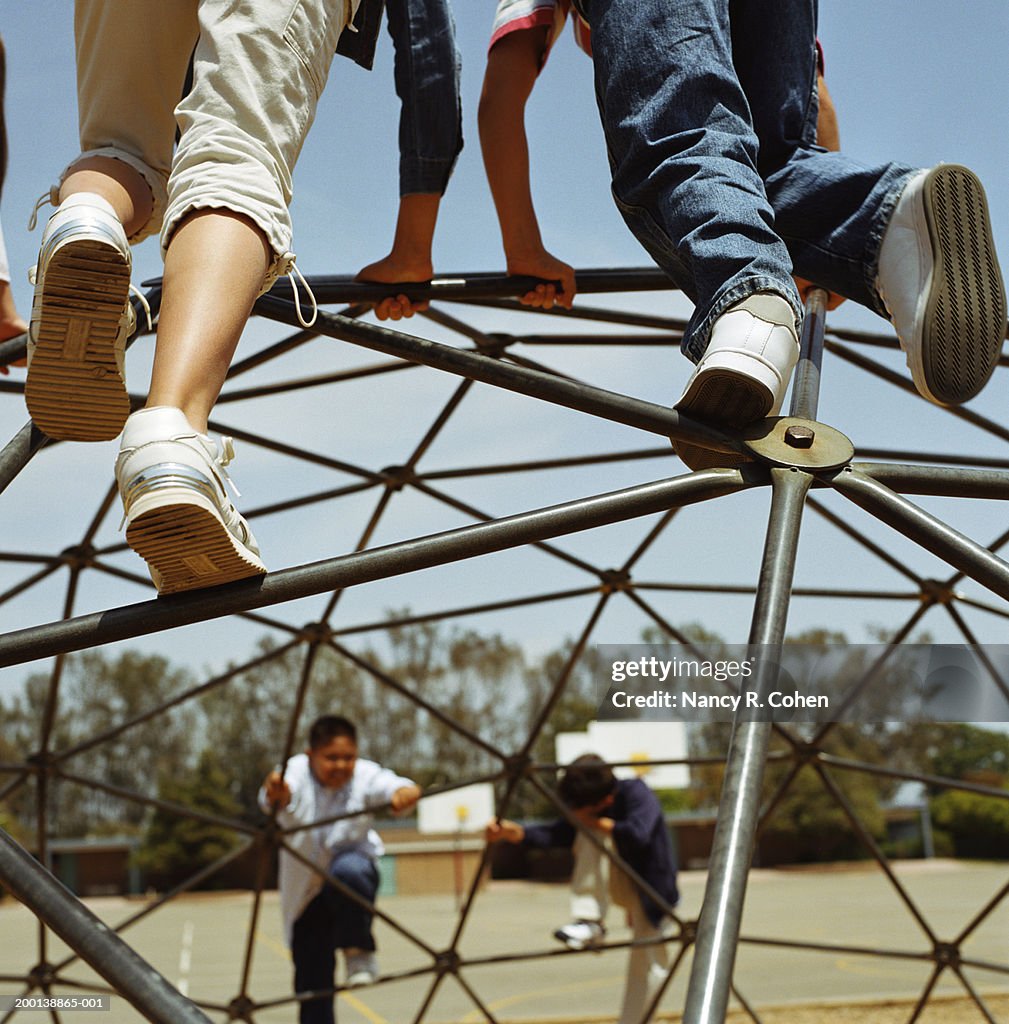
940 281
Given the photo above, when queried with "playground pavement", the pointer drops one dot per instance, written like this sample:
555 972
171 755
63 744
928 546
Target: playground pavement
198 942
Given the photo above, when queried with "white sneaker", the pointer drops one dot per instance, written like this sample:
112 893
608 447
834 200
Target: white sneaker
176 509
744 372
581 934
81 317
362 967
940 281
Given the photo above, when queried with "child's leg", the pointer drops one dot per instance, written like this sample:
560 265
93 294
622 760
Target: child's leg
589 882
646 966
350 921
314 955
258 70
198 330
112 194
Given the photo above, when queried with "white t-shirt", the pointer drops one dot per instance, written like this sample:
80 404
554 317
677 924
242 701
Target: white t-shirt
370 786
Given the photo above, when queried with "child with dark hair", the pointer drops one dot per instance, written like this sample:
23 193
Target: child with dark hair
329 781
626 814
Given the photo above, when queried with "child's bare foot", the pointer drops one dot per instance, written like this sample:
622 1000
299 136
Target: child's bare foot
397 270
11 323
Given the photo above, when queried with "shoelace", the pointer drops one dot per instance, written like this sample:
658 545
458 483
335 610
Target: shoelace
142 299
52 197
225 454
287 267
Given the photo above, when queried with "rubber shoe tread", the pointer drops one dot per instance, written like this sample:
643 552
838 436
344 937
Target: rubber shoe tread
74 389
188 547
965 313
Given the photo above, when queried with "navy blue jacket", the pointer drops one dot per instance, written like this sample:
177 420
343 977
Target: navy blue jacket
639 835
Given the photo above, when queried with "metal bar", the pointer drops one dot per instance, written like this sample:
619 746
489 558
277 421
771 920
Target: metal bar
468 989
80 929
979 652
183 811
664 340
609 405
303 383
190 883
856 535
173 702
840 797
718 925
743 590
848 764
980 916
415 698
475 609
362 567
926 992
904 383
835 947
973 993
269 353
470 510
941 481
931 533
903 455
606 316
13 349
994 546
653 1006
534 465
333 288
806 382
19 451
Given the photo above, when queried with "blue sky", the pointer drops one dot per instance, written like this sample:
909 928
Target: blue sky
920 82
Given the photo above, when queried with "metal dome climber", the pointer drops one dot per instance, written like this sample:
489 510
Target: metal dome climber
790 457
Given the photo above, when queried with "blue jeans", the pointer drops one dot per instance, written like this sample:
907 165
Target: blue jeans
427 82
330 922
709 110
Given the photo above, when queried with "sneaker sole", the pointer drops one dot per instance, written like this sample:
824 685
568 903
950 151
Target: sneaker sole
188 547
574 945
74 390
722 398
965 314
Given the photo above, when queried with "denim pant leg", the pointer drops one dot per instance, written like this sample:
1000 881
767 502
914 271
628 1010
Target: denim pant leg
829 210
313 951
351 921
683 152
427 82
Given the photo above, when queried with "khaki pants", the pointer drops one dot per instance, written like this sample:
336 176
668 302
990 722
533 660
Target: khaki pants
595 882
259 68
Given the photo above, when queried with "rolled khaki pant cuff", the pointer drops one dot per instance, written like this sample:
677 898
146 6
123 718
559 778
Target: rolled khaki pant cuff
156 182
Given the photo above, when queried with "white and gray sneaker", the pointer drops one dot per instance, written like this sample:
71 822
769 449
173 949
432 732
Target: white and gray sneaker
175 506
744 372
581 934
362 967
940 281
81 317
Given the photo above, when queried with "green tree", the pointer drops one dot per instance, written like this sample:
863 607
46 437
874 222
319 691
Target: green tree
175 846
978 825
96 695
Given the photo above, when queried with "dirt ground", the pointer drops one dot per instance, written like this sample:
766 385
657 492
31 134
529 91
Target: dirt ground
940 1011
